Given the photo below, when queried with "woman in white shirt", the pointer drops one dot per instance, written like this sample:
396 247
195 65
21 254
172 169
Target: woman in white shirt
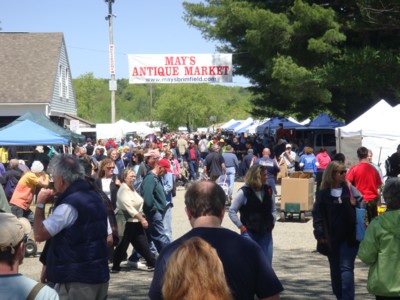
107 181
131 204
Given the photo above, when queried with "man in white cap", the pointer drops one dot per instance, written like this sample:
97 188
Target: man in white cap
13 285
22 198
290 158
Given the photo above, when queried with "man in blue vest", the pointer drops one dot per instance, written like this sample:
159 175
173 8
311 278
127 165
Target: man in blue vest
77 257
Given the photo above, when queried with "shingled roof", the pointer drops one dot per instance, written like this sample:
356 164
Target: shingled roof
28 66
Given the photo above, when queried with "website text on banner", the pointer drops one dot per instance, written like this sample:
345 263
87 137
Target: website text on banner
180 68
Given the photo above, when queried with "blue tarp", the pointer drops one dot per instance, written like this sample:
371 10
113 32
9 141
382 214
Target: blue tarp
44 121
27 133
325 121
274 122
233 126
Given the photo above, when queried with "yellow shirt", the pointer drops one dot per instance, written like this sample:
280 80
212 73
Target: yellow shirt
3 155
24 191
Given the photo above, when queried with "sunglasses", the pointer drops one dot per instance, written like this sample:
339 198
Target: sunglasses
342 172
110 168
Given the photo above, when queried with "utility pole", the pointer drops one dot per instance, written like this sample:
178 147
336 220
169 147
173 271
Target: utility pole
112 83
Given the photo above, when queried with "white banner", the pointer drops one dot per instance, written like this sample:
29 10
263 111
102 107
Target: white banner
180 68
111 58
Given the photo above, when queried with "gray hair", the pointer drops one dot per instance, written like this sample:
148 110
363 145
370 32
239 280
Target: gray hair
68 167
391 193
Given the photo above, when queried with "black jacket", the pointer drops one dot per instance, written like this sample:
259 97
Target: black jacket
113 189
334 219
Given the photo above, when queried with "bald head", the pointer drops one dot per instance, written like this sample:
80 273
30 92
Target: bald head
205 198
266 152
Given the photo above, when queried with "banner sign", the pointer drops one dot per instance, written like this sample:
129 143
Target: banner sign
111 58
180 68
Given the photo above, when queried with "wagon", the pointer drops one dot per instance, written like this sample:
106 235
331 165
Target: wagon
297 198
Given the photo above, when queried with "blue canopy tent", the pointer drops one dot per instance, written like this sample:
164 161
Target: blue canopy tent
273 124
233 126
325 121
44 121
27 133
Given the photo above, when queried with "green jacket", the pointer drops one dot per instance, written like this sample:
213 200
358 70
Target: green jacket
153 194
380 249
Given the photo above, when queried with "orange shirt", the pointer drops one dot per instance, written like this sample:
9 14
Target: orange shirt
23 194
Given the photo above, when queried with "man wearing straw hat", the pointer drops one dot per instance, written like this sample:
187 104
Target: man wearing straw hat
13 285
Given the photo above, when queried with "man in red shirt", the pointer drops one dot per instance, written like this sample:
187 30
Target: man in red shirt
367 180
192 157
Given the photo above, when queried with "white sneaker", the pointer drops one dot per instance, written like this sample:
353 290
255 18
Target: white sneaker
136 264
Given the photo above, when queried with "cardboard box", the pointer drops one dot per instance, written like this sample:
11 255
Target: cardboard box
298 190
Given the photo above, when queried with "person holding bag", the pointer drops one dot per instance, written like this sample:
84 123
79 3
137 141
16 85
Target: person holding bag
131 205
334 221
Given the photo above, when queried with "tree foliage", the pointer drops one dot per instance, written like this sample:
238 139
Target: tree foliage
305 57
173 104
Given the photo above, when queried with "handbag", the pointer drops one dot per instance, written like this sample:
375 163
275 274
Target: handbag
360 223
360 220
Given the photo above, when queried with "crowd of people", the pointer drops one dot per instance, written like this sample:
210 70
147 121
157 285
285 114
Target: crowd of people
109 194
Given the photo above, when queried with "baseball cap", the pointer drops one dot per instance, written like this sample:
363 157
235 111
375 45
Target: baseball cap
222 141
37 167
12 231
191 142
153 153
288 146
165 163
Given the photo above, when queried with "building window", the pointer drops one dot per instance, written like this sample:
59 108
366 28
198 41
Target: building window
66 83
60 81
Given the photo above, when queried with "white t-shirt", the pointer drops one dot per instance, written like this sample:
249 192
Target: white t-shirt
17 286
105 186
64 216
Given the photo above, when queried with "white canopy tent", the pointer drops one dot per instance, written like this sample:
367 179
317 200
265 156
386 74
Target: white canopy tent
108 130
229 123
142 129
377 129
252 129
244 124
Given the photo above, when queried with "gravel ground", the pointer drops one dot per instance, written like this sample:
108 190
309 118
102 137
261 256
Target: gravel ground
304 273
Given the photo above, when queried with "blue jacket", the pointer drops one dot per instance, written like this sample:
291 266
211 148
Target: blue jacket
79 253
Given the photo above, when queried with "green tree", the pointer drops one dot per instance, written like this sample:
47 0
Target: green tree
176 105
90 94
303 57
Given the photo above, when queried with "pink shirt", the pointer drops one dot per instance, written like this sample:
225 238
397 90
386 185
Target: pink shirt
323 160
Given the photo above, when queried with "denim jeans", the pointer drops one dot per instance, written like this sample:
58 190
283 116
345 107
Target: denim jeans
168 222
156 230
341 262
231 172
193 168
264 240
